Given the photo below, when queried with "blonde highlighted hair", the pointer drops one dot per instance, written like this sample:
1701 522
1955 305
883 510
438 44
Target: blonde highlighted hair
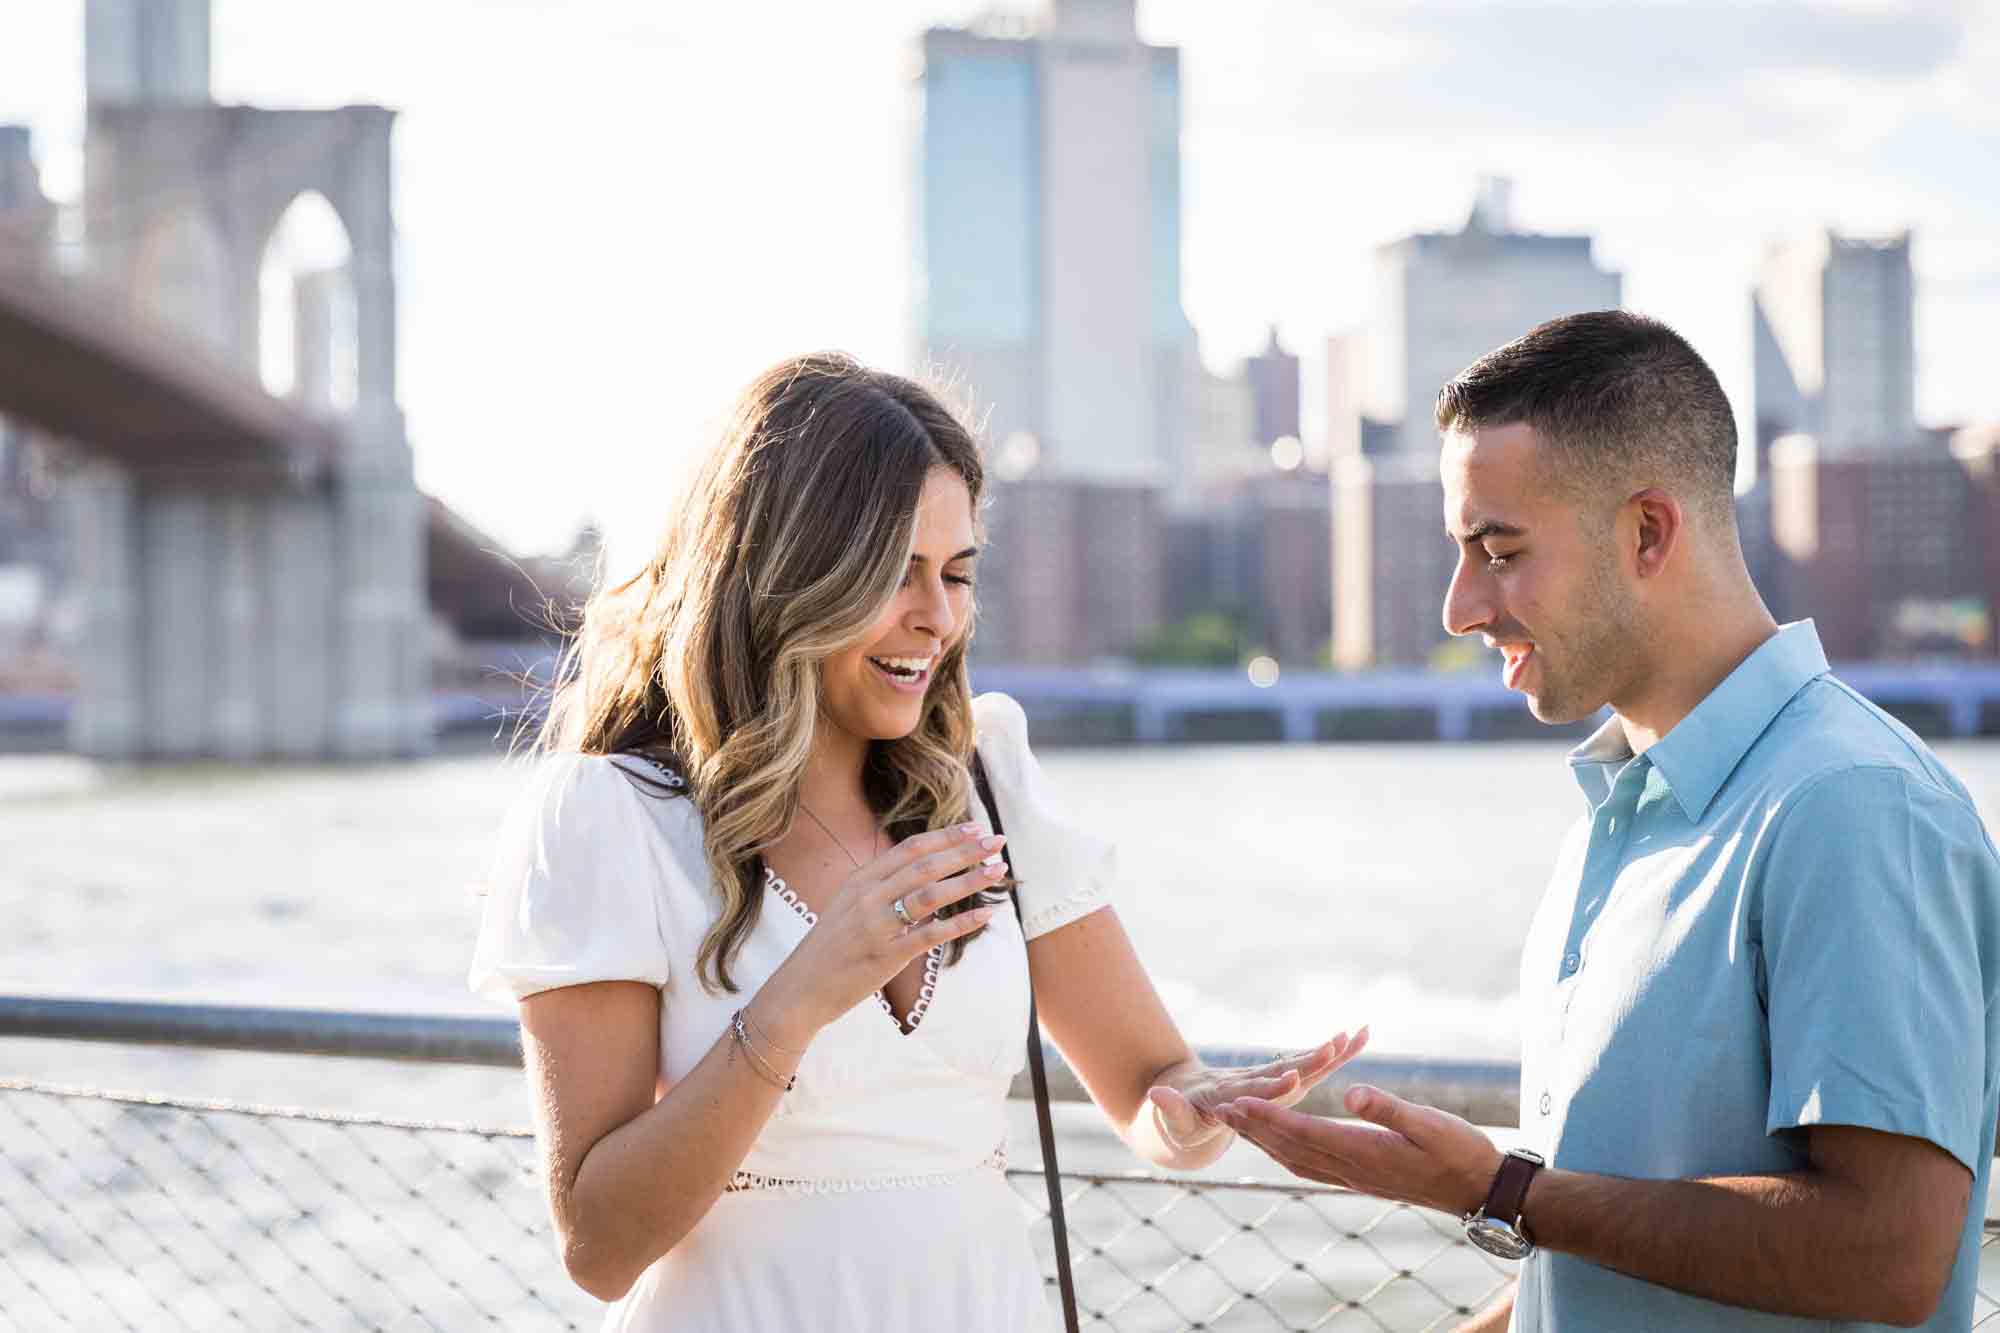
792 540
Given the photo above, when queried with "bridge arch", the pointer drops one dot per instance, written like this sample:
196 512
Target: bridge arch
307 324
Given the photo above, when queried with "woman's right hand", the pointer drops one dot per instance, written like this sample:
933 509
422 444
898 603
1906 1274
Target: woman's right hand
859 943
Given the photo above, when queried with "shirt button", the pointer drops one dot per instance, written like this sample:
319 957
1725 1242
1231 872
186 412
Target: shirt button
1546 1103
1571 962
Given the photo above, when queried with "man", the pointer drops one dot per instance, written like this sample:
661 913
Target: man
1759 995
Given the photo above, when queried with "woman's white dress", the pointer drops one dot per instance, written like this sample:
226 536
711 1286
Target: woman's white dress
873 1200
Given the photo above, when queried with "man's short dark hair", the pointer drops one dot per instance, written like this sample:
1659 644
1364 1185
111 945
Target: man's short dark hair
1618 399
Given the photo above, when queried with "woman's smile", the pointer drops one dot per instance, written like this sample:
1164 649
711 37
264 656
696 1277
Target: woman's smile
908 674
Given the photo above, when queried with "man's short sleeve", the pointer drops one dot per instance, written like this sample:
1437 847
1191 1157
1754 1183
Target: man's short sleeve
1874 930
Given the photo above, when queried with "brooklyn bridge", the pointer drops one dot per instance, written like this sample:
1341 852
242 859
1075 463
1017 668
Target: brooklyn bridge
207 345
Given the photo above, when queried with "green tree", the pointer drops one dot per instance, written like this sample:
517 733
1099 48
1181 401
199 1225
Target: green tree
1207 638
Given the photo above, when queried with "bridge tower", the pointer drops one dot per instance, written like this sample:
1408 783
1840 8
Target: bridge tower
260 611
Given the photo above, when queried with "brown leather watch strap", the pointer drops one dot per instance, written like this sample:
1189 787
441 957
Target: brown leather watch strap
1510 1186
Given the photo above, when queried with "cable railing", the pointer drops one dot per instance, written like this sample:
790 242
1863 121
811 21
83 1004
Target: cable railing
1481 1091
126 1210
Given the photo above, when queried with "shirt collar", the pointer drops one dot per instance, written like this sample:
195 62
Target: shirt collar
1697 756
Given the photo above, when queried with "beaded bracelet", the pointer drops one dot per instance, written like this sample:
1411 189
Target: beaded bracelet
782 1082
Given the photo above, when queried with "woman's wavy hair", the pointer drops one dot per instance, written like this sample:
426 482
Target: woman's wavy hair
790 543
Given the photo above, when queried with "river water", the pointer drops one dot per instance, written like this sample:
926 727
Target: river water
1276 893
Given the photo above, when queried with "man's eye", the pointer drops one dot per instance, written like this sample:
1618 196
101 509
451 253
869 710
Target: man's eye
1500 562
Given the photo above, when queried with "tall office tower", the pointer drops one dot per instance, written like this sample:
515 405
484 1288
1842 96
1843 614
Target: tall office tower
1444 299
1049 246
146 51
1835 343
1048 286
1274 384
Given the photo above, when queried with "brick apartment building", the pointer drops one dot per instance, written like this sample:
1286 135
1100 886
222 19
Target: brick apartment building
1256 548
1099 545
1895 553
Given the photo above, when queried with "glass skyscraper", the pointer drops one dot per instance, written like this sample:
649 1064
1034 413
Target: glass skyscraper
1048 264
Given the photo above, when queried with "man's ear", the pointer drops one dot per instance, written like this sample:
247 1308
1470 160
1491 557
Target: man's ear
1661 526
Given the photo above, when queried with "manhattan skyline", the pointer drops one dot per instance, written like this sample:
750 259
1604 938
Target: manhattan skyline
611 218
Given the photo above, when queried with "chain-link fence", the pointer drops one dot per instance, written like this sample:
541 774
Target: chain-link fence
1157 1253
130 1212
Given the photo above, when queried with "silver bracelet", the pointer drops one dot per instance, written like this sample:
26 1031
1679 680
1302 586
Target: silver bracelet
782 1082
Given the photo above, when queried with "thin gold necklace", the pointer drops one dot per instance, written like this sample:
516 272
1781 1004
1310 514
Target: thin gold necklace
836 837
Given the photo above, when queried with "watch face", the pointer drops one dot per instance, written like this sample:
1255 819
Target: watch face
1497 1238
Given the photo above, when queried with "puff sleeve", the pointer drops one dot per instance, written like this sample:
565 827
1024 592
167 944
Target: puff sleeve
574 891
1065 871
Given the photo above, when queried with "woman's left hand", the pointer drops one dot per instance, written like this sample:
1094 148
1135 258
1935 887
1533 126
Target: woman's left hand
1185 1111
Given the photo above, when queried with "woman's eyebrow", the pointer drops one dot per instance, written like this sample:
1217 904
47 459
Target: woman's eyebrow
966 554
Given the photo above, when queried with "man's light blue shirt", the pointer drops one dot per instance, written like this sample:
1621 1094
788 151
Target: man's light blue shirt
1785 913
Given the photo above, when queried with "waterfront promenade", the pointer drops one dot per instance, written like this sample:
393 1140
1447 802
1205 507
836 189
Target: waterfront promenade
131 1208
1277 892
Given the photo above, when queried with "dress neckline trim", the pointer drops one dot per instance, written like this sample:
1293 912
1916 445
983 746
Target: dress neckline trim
933 959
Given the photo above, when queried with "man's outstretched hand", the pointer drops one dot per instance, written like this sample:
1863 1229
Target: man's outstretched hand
1187 1113
1406 1152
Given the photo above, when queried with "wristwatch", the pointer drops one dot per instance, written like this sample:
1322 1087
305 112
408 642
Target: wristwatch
1495 1226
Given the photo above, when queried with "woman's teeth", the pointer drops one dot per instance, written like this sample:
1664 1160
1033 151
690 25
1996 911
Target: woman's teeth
906 667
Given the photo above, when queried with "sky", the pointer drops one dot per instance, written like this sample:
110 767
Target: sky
613 213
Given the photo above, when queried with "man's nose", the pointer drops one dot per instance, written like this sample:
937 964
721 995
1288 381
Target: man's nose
1468 601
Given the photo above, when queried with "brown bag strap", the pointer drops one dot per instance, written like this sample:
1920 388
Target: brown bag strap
1043 1121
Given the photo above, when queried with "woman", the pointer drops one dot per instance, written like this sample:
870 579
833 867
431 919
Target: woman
771 993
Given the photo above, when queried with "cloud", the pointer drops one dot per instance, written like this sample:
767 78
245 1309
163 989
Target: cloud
1563 68
1682 136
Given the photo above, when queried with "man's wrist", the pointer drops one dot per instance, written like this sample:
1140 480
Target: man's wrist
1480 1184
1538 1193
1496 1224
